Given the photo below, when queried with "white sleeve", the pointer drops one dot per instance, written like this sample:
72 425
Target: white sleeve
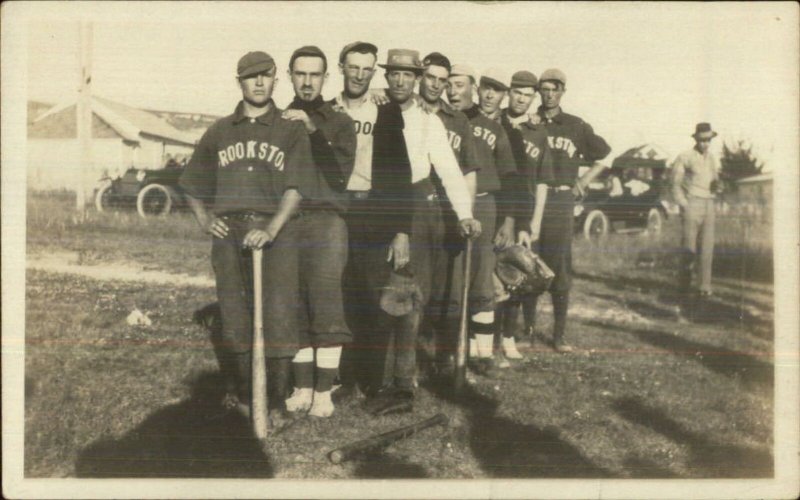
446 167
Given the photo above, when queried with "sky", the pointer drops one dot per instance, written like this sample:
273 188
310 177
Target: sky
636 72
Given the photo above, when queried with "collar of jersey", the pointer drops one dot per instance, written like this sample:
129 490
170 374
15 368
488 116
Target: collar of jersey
472 112
556 119
446 108
265 119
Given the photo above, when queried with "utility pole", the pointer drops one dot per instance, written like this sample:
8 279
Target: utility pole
84 113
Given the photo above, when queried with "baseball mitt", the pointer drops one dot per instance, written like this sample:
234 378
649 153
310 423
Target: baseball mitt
522 272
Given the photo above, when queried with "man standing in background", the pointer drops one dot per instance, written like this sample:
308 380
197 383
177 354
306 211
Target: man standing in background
573 143
694 182
520 98
322 236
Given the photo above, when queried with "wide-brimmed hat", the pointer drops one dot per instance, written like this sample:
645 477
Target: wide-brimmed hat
402 59
703 131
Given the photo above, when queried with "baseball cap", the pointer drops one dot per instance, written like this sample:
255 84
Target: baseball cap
358 47
523 79
554 75
437 59
253 63
463 70
402 59
495 77
308 50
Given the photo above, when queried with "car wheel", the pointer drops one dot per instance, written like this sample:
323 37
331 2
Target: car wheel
654 221
595 226
102 199
153 200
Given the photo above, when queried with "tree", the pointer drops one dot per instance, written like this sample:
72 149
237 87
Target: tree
739 161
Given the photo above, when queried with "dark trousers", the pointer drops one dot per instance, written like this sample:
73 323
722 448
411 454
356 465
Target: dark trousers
385 346
233 268
322 247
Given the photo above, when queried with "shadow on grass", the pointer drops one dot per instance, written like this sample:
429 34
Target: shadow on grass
508 449
638 306
623 282
707 458
378 465
194 438
751 371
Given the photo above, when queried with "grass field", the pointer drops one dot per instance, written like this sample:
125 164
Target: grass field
644 396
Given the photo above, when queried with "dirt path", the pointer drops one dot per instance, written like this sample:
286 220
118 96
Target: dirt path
69 263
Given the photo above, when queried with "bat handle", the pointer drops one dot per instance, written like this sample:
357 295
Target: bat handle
463 327
258 398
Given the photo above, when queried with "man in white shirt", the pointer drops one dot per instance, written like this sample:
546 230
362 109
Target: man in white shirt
409 144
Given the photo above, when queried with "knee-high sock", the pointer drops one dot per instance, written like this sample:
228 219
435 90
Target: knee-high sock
303 368
327 366
560 306
482 324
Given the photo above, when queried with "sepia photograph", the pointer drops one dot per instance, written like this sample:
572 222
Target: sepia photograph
400 249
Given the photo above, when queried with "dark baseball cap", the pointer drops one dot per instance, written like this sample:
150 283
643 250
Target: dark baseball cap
253 63
308 51
437 59
523 79
364 47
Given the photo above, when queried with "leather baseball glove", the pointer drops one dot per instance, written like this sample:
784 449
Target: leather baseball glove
522 272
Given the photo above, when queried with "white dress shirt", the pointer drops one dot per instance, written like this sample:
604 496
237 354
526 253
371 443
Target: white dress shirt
364 116
426 142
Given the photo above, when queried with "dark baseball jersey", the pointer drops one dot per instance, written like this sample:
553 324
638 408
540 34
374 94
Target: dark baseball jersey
459 135
493 151
246 163
333 148
536 167
573 143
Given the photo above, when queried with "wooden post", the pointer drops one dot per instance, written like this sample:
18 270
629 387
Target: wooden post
84 114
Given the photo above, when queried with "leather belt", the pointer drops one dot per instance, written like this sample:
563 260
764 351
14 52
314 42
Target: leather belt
245 215
563 187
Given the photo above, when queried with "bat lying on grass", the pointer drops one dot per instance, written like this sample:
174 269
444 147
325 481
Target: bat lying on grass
349 451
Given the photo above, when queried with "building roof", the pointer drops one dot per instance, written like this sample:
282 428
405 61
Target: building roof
644 155
129 123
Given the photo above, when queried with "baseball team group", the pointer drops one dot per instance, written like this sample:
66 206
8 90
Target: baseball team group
362 206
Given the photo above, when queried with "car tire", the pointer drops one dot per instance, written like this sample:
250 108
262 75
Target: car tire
595 226
101 198
655 222
154 200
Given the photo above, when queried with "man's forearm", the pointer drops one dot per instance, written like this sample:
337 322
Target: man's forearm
472 184
289 203
199 210
538 209
591 175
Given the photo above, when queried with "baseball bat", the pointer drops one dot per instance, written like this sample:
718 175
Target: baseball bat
347 452
258 398
460 373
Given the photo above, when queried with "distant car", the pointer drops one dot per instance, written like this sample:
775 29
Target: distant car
628 197
152 192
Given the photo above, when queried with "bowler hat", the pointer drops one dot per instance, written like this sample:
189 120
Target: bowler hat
402 59
703 131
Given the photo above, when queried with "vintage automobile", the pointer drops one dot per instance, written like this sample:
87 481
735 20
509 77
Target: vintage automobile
627 197
152 192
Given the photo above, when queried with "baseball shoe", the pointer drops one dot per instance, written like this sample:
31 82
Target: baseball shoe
561 346
341 394
322 405
510 348
500 361
301 399
481 366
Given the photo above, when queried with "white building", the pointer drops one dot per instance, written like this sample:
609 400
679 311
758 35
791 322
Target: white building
122 137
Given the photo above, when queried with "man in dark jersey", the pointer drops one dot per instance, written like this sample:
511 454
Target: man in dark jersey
244 183
573 144
496 180
520 98
322 235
